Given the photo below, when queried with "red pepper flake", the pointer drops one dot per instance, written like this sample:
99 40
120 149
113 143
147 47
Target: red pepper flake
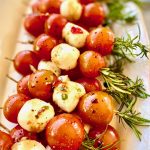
76 30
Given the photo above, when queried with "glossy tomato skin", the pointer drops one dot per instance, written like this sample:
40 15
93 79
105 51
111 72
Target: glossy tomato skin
101 40
93 14
90 63
49 6
22 86
40 84
54 25
109 138
43 46
5 141
65 132
34 23
90 84
86 1
13 105
17 133
23 60
96 108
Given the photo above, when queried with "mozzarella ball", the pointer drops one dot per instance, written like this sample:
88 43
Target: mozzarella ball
67 94
28 145
65 56
74 35
48 65
64 78
71 9
34 115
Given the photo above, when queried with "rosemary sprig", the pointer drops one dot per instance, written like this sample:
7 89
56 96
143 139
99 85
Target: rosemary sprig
133 119
125 48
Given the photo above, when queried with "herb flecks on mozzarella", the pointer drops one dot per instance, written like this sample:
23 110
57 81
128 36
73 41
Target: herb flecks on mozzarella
28 144
75 35
67 94
34 115
71 9
48 65
65 56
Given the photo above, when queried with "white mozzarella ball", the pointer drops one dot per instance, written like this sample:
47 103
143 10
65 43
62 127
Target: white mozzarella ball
71 9
64 78
48 65
35 114
67 94
74 35
28 145
65 56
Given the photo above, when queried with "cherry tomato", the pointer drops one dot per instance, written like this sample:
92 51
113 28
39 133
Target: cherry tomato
23 60
90 84
43 46
5 141
40 84
54 25
49 6
65 132
17 133
34 23
93 14
73 74
101 40
90 63
109 138
13 105
86 1
96 108
22 86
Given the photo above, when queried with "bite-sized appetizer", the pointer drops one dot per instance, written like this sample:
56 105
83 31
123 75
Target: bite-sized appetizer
54 25
65 56
71 9
40 84
43 45
28 144
65 132
74 35
48 65
13 105
96 108
34 23
67 94
5 141
34 115
90 63
24 60
101 40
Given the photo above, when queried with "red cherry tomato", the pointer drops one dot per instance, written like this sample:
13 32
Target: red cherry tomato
101 40
96 108
90 63
54 25
93 14
73 74
109 138
13 105
5 141
49 6
90 84
43 46
40 84
17 133
23 60
34 23
22 86
65 132
86 1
